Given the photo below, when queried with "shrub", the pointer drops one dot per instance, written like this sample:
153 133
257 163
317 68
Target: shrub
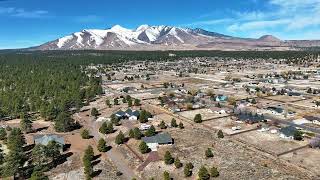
214 172
85 134
209 153
203 173
177 163
220 134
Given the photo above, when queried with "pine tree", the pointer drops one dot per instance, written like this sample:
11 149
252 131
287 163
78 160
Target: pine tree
109 128
120 138
162 125
115 101
177 163
88 153
166 175
85 134
137 102
1 156
197 118
130 103
124 100
144 148
103 128
3 134
131 133
174 122
26 124
64 123
143 117
187 170
106 128
220 134
88 168
209 153
137 133
151 131
214 172
38 175
94 112
115 120
102 147
108 103
168 159
181 126
189 165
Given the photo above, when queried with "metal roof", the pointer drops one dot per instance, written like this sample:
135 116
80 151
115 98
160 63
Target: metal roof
45 139
163 138
288 131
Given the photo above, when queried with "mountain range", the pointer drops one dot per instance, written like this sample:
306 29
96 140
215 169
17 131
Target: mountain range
162 37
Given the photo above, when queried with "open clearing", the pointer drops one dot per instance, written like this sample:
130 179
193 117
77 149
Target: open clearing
269 142
205 113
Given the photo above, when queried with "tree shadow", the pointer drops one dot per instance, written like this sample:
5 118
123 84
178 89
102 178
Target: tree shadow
95 162
40 129
60 160
108 148
96 173
66 147
28 147
96 157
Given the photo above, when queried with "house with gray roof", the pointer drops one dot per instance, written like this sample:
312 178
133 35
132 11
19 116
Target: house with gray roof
287 132
44 139
159 139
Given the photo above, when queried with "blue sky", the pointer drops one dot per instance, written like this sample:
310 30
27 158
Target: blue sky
27 23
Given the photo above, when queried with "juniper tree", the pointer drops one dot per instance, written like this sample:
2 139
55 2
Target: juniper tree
168 159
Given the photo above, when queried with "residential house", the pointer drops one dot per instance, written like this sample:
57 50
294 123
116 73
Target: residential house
155 141
120 114
44 139
132 115
129 113
218 110
250 118
293 93
275 110
287 132
313 119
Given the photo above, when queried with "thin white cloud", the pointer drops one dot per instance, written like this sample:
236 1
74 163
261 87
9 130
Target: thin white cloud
286 16
211 22
258 25
22 13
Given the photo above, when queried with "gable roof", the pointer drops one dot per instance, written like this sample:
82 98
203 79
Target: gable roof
162 138
120 113
45 139
288 131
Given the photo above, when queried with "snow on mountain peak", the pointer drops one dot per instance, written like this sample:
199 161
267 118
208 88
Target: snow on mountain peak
142 27
119 28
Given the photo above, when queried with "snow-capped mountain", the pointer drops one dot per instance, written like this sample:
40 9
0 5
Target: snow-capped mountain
147 37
